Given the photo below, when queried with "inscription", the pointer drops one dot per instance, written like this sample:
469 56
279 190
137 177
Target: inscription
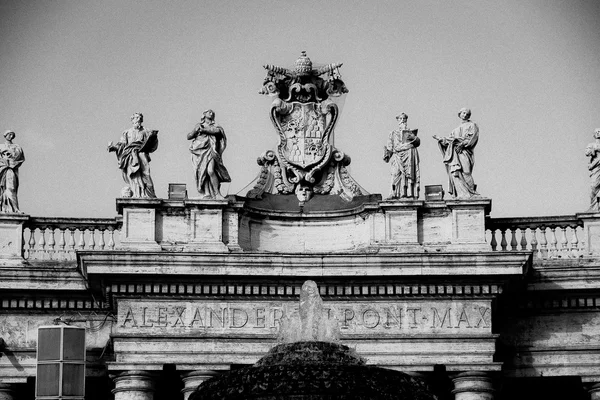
469 317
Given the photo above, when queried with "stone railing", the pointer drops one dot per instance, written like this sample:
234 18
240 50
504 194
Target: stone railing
548 237
58 238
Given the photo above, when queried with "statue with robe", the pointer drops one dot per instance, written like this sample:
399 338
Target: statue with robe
593 152
133 157
208 143
401 152
11 158
458 155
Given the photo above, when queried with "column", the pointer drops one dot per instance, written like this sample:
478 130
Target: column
594 391
473 386
192 380
134 385
6 392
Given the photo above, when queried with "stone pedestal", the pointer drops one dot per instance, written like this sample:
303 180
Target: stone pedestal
468 224
206 225
134 385
192 380
473 386
6 392
11 235
591 232
139 223
400 221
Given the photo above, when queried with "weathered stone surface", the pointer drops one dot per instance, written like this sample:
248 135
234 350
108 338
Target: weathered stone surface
401 152
11 158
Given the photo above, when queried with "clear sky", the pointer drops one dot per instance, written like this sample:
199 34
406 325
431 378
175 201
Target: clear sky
73 72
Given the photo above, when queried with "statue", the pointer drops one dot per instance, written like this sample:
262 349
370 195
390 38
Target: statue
208 143
457 151
311 322
593 152
304 113
133 156
401 150
11 158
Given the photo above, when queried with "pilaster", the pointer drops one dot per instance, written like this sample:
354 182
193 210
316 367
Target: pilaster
473 386
134 385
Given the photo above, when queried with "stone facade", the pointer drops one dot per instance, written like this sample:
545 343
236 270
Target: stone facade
172 292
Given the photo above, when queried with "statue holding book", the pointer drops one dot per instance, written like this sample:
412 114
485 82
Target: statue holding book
401 152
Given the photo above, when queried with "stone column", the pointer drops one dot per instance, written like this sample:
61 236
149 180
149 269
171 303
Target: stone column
192 380
594 391
6 392
473 386
134 385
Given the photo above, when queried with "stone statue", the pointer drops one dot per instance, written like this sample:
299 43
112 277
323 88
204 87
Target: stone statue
593 152
11 158
457 150
401 150
311 322
208 143
133 156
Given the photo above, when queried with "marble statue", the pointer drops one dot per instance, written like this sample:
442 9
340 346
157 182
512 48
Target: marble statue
457 151
593 152
11 158
401 152
133 156
208 143
304 113
312 322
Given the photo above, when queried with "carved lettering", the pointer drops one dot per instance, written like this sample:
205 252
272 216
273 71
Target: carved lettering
392 318
242 319
146 323
260 318
197 318
179 311
441 320
129 317
370 318
221 318
463 317
413 320
276 317
161 318
482 313
348 316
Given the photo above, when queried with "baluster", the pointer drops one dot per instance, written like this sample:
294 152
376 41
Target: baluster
71 243
25 244
42 243
493 242
101 243
564 243
31 241
111 239
534 242
543 243
503 243
92 242
553 242
574 242
51 242
81 244
523 239
513 239
61 241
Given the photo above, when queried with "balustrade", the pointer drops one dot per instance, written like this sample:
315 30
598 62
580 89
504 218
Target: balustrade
58 238
548 237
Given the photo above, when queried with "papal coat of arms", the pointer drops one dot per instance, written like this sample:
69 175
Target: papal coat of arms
304 114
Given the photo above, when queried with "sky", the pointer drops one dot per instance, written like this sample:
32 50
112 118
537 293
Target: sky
73 72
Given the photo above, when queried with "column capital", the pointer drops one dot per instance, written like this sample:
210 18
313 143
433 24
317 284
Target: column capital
132 383
191 381
6 391
594 391
473 385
